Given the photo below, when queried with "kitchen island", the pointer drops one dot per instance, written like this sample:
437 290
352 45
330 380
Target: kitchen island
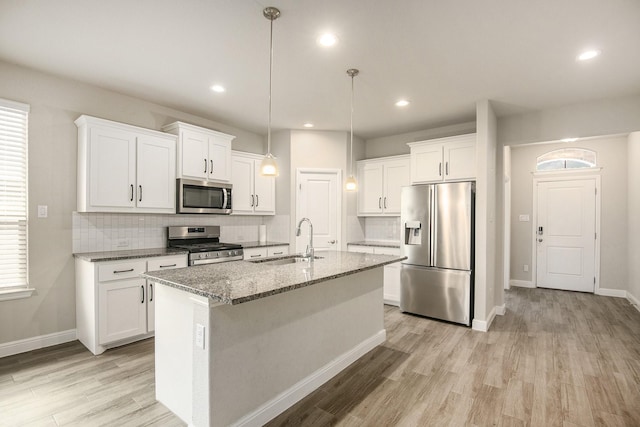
237 343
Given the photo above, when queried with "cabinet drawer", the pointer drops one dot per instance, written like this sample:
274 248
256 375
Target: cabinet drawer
167 262
383 250
121 270
357 248
255 253
278 250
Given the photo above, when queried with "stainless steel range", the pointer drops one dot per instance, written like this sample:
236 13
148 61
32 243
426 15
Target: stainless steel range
203 244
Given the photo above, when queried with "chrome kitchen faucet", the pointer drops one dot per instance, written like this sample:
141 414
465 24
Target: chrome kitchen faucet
309 252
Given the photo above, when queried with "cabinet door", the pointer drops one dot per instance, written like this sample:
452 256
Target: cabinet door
122 309
156 176
460 159
264 190
112 171
426 163
370 193
243 198
160 263
397 174
219 159
194 155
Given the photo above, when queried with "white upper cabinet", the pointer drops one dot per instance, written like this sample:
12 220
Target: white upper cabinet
123 168
253 194
380 181
444 159
203 154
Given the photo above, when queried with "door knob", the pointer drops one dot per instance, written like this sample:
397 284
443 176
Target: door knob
539 240
332 242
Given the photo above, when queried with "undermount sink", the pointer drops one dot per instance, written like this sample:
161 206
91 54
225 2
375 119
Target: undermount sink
289 260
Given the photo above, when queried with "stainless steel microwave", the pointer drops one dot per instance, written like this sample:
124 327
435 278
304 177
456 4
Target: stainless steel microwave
202 197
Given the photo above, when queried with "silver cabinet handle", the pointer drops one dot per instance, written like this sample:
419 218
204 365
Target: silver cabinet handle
205 165
252 200
257 201
140 199
131 193
142 301
278 253
379 202
211 171
167 266
150 292
440 169
122 271
385 203
256 256
446 168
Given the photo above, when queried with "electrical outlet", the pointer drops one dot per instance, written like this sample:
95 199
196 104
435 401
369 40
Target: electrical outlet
43 211
525 267
524 218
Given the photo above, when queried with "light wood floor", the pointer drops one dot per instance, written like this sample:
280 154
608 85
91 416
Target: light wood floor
554 359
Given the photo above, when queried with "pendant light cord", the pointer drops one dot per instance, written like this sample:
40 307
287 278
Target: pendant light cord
351 154
270 83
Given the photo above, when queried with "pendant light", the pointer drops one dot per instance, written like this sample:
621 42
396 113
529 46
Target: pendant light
269 167
351 184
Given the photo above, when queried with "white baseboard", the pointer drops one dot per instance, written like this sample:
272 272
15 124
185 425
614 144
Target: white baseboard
484 325
34 343
611 293
501 310
633 300
302 388
521 283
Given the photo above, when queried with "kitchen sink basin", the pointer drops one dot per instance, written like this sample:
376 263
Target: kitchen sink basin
289 260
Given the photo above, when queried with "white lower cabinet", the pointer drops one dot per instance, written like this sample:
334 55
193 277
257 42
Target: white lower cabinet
391 291
114 305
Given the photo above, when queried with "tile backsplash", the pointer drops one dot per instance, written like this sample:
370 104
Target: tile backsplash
94 232
382 228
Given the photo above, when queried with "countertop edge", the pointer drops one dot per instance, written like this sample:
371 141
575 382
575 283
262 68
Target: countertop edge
116 256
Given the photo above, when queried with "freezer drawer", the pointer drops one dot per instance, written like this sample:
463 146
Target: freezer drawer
437 293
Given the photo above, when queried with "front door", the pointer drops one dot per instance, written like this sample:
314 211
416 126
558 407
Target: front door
318 199
565 235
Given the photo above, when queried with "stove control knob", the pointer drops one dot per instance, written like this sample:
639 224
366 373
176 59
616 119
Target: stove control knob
207 255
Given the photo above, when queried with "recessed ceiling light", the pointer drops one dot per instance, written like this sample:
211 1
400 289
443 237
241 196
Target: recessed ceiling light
402 103
308 125
588 54
327 39
569 139
217 88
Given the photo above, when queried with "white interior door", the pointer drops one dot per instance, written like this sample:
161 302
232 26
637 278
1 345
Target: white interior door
318 199
565 235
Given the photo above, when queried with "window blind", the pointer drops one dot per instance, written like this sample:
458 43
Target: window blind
13 194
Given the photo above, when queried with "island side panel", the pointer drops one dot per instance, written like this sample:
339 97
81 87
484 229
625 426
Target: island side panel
268 353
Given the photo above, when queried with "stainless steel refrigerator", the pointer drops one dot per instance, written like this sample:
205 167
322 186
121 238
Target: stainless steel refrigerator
438 240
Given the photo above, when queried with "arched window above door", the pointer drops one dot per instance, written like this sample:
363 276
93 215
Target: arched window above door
566 158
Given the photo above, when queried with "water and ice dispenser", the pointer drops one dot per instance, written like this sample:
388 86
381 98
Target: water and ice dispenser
412 233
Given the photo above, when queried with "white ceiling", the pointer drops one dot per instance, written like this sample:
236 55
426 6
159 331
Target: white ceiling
441 55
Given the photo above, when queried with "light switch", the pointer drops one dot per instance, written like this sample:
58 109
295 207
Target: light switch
524 218
42 211
200 336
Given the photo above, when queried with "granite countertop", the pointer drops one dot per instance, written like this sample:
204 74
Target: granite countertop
378 243
237 282
249 245
128 254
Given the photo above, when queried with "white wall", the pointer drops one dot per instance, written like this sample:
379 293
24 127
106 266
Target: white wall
488 286
395 145
633 212
612 157
594 118
55 103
